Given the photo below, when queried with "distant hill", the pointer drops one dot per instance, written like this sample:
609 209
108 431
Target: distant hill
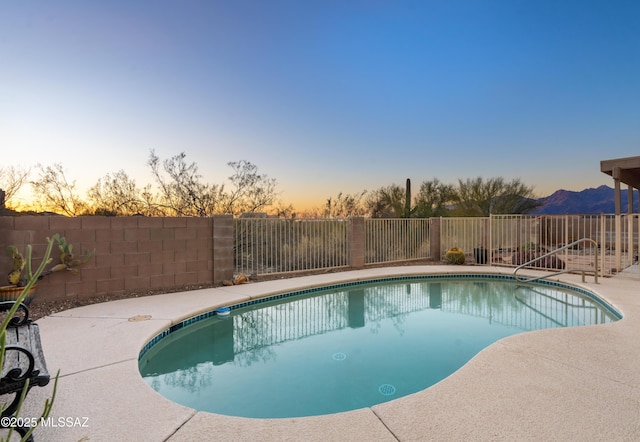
587 201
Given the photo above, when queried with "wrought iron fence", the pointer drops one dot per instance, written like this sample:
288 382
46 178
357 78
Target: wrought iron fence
273 245
469 234
512 240
388 240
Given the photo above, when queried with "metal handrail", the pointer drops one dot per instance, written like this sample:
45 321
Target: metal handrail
563 271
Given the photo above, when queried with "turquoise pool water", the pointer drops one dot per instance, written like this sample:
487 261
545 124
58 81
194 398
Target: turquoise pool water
350 346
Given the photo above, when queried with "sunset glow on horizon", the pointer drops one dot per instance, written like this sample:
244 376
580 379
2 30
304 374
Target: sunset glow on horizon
325 97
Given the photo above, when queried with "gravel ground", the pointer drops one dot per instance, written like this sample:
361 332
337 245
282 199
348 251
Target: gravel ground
40 307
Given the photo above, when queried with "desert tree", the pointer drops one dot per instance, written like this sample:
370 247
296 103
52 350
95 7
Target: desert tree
434 199
182 192
344 205
387 202
480 197
11 181
53 192
284 211
117 195
149 203
249 192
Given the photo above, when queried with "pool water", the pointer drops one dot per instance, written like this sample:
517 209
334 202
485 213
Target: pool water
350 347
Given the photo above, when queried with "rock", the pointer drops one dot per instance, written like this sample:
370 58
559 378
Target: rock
548 262
522 256
240 279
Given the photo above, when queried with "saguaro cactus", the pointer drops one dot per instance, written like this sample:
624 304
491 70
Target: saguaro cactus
407 199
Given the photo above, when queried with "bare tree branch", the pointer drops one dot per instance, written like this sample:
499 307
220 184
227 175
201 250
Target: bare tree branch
55 193
11 181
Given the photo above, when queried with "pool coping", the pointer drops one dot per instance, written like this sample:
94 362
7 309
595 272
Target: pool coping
579 382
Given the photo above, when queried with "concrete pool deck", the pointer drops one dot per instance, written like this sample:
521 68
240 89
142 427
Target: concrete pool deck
579 383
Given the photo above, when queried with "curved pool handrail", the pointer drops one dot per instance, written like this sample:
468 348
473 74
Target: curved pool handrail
553 252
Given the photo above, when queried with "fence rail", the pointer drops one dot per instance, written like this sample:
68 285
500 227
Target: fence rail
389 240
272 245
512 240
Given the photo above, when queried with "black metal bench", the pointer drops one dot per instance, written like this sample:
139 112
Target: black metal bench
23 360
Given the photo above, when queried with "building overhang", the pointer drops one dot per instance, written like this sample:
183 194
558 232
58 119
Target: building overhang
626 170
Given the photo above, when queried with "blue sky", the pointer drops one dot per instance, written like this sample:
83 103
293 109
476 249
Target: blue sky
324 96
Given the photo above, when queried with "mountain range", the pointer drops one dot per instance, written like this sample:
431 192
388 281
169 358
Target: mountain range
587 201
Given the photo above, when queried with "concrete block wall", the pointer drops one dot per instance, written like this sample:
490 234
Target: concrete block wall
223 264
131 253
435 226
356 243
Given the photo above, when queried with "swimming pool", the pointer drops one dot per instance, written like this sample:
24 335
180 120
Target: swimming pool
351 345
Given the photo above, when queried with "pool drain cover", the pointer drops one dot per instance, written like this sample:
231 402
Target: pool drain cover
387 389
339 356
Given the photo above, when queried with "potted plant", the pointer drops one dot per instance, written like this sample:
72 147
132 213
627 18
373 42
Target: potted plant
4 325
480 254
22 271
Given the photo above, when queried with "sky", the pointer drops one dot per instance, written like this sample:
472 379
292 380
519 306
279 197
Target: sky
324 96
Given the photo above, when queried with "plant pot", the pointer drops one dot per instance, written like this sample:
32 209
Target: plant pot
12 292
480 254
